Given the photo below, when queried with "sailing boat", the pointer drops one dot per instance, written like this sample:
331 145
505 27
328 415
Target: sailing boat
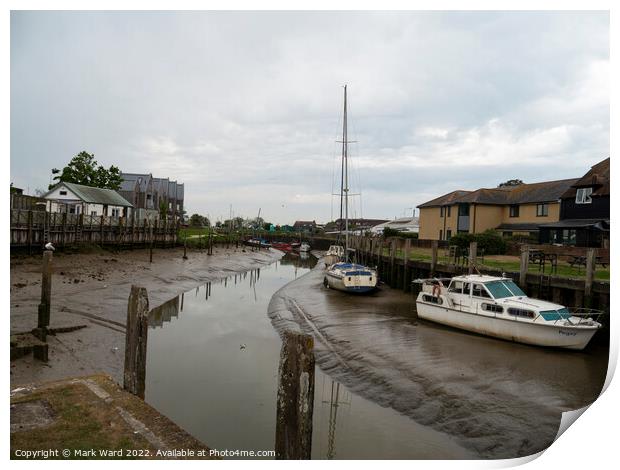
344 275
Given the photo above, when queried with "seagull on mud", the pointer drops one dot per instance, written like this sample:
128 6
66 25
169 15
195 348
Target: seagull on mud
49 246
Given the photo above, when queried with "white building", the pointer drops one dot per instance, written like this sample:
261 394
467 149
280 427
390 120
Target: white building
79 199
404 224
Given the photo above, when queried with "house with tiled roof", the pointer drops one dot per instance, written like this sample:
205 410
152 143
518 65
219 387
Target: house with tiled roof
585 211
512 210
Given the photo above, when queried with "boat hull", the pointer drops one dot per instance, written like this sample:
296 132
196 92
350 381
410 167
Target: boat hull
338 284
512 330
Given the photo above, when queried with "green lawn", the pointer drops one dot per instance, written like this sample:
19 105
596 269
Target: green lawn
508 264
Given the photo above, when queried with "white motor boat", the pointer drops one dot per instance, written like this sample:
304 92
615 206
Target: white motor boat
496 306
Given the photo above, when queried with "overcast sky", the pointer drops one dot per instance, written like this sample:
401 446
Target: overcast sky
244 107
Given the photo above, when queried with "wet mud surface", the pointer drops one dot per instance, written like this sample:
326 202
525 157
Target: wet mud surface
93 289
495 398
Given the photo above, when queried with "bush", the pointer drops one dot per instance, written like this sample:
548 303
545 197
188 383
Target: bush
390 232
490 241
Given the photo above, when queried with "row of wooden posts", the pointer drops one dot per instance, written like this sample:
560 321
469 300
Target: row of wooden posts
371 251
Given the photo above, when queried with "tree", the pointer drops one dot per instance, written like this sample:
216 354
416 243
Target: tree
197 220
514 182
84 169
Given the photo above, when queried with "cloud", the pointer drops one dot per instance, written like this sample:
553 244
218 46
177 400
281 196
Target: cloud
245 107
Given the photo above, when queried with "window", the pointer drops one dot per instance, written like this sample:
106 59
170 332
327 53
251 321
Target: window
441 234
441 211
466 288
502 289
569 237
63 192
464 209
542 210
584 196
431 299
480 291
116 212
514 211
519 312
456 287
448 232
449 210
493 308
93 213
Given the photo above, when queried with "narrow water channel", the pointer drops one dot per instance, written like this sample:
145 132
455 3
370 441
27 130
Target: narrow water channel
212 368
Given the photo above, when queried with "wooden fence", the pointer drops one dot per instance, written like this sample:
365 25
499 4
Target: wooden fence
35 228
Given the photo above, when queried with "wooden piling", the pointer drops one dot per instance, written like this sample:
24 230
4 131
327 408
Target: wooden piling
434 248
525 260
43 319
30 215
295 403
184 248
590 269
392 256
473 252
406 272
134 374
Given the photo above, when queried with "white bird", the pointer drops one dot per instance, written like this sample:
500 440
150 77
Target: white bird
49 246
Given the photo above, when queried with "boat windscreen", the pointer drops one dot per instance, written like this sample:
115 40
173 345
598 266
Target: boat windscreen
503 289
553 315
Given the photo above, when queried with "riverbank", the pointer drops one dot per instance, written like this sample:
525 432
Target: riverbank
91 290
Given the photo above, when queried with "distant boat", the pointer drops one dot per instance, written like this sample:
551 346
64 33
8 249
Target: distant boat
343 275
258 243
282 246
496 306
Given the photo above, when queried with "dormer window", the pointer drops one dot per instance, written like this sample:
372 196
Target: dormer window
584 196
63 193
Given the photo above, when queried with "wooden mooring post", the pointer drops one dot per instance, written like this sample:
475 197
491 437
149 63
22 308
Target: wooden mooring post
590 269
525 260
434 248
134 374
473 254
295 403
43 321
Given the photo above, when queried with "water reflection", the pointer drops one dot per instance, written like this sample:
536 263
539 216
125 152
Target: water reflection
213 370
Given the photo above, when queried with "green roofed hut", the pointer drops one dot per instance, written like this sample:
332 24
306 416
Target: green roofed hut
75 198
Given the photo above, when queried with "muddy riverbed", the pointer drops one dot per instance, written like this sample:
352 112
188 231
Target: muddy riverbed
92 289
212 368
388 385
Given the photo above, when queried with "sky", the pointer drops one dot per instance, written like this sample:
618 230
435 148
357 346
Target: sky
245 107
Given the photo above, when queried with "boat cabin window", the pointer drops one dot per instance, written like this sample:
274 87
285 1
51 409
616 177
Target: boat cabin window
431 299
493 308
519 312
456 287
480 291
503 289
466 288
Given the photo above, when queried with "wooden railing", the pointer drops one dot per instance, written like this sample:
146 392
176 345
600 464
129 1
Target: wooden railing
35 228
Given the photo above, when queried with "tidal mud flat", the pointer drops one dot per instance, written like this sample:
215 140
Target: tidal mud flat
93 289
497 399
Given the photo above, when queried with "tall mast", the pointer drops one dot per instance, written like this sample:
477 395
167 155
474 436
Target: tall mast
345 189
